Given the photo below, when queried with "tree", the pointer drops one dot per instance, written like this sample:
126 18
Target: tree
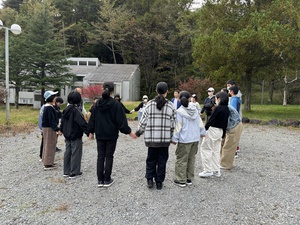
92 91
45 61
196 86
237 40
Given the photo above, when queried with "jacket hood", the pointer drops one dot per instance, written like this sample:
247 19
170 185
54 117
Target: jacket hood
104 104
67 112
190 112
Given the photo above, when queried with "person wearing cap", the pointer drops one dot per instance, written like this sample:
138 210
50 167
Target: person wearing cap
118 99
140 108
157 124
175 100
209 103
107 119
50 130
195 103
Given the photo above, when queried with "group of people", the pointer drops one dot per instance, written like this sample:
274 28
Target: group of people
161 121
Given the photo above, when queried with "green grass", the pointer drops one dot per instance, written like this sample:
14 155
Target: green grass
268 112
26 115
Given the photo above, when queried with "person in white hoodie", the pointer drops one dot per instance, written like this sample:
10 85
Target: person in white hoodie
188 131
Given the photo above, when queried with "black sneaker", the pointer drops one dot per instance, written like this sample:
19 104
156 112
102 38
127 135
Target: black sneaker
177 183
100 183
108 183
72 175
189 182
150 183
159 185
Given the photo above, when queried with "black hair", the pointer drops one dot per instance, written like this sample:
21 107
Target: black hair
235 89
108 87
184 98
74 98
195 97
224 90
161 88
223 96
96 98
231 81
51 98
59 100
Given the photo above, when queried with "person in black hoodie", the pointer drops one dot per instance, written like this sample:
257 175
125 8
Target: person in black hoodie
107 119
73 125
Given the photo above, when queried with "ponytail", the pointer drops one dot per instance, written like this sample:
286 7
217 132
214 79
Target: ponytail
160 101
106 94
184 101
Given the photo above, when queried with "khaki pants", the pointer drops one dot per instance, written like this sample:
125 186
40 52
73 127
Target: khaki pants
210 149
49 147
232 139
185 161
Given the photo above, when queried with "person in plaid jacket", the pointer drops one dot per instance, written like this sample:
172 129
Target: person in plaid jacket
157 124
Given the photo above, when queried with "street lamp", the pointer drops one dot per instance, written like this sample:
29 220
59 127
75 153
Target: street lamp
15 29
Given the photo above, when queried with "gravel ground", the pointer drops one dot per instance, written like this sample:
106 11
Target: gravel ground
263 187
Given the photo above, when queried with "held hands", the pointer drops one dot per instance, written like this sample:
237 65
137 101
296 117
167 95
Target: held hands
59 133
91 136
132 111
132 134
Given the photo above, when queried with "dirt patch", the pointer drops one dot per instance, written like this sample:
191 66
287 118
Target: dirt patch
12 130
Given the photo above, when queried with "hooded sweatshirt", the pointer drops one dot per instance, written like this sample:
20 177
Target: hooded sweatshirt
189 125
73 124
236 102
107 119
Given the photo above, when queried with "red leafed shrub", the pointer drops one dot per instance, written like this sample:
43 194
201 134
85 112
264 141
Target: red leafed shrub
196 86
92 91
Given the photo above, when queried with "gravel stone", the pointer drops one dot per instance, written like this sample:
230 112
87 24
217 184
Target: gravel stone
262 188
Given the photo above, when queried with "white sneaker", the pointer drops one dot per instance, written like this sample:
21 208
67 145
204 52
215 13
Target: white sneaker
205 174
217 173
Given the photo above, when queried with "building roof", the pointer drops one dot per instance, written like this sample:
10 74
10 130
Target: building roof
104 72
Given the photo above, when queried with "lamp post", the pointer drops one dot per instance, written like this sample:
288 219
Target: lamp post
15 29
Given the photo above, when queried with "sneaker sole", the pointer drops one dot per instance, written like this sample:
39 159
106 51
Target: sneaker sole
50 168
180 185
108 185
100 185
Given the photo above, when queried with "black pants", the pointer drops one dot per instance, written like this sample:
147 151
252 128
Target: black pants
41 147
106 150
156 163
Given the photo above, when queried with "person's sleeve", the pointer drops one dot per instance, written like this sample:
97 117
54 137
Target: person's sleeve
212 118
84 112
124 108
91 124
143 122
79 119
178 127
53 122
234 103
122 120
138 107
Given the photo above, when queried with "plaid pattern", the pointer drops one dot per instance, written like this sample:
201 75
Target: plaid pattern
157 125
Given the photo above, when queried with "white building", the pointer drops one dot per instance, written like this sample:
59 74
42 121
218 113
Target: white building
90 71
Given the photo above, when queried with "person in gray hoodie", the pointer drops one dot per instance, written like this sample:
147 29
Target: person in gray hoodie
189 129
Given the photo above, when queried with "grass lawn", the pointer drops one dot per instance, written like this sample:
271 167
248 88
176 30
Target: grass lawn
26 116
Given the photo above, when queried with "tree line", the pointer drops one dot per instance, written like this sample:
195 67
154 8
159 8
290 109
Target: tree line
249 41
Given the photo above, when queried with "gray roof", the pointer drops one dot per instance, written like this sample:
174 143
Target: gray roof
105 72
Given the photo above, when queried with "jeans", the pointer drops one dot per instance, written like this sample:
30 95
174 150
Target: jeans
106 150
156 163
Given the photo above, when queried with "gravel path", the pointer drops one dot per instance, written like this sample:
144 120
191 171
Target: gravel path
263 187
